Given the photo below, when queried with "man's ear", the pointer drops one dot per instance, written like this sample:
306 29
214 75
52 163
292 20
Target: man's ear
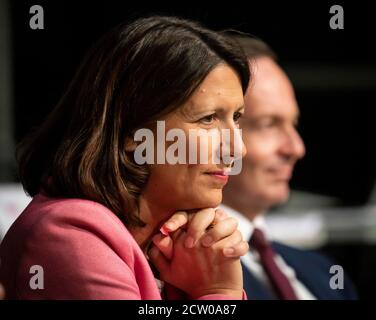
130 145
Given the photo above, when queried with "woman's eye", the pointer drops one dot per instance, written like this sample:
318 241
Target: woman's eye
208 119
237 116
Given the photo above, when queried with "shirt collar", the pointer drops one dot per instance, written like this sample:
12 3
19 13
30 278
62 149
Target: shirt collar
245 225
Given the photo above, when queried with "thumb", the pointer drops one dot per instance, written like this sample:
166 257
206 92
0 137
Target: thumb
159 261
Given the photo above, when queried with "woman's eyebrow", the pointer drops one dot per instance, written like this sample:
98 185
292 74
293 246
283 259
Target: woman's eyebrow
192 112
222 109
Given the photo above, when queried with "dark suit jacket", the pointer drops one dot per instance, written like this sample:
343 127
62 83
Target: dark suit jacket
312 269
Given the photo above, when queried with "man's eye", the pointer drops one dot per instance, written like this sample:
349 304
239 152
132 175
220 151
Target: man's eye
237 116
208 119
266 123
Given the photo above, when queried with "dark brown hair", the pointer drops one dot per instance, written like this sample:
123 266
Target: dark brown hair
133 75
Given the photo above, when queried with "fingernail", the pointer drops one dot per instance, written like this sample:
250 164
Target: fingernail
169 225
229 251
207 241
164 231
220 213
189 242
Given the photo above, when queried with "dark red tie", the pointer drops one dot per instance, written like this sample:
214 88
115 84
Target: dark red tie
279 281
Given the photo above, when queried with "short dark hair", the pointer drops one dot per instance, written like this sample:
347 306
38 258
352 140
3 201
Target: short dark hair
253 47
133 75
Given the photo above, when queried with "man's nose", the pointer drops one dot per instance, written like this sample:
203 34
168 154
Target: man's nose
293 145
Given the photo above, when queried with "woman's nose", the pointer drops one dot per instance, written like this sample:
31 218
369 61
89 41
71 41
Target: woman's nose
233 147
238 144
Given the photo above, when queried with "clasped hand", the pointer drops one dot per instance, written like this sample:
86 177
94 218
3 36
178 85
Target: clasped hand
199 253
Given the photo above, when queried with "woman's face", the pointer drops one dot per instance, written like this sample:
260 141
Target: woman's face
216 104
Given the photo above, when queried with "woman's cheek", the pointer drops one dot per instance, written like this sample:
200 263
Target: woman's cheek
204 146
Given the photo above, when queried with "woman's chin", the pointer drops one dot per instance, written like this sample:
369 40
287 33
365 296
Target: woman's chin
209 199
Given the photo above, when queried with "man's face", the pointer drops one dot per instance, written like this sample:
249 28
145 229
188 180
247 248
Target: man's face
272 142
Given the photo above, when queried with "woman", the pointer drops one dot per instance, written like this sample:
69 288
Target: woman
95 211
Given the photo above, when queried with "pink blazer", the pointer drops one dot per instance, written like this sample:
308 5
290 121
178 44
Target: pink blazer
85 251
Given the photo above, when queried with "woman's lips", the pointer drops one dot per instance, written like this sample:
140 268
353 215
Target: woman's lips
220 175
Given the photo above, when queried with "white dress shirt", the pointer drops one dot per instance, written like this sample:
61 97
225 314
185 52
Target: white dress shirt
252 261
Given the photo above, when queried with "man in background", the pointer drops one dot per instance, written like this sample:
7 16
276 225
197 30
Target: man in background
272 270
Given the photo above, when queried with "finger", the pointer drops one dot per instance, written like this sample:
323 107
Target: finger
236 251
177 220
234 239
220 230
176 235
159 261
198 225
220 215
164 244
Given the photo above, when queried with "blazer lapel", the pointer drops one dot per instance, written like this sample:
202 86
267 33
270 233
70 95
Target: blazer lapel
311 276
